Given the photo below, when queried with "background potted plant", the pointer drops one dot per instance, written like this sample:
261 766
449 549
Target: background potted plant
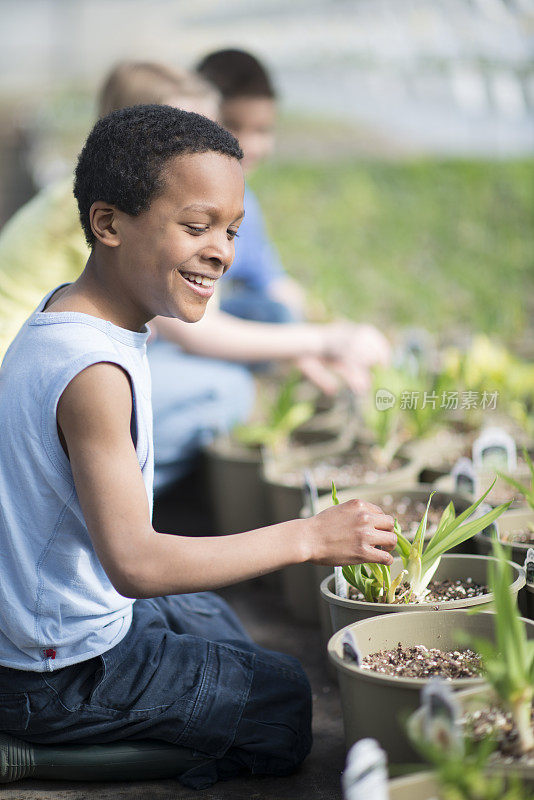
516 526
234 462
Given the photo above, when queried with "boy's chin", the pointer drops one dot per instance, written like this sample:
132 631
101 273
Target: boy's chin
191 313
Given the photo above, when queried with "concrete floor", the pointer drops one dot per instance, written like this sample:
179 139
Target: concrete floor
264 615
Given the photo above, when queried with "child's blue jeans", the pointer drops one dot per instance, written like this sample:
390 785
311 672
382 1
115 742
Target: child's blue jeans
187 673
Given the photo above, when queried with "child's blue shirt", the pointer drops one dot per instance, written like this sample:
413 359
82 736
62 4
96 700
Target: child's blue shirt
57 605
256 263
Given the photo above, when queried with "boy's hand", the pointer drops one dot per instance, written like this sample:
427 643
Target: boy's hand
351 533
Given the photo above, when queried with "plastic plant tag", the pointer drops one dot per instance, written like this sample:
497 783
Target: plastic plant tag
494 449
441 716
351 651
365 775
529 565
310 493
340 584
465 477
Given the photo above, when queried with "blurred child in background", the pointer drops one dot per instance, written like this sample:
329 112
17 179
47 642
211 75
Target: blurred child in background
198 393
258 288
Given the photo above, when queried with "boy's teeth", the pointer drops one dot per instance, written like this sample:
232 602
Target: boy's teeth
199 279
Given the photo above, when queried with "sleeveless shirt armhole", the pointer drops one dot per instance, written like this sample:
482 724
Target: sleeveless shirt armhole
51 442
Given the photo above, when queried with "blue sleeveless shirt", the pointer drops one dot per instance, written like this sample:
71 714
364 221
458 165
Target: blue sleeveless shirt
57 605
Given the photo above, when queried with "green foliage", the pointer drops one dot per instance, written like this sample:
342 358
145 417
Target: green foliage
461 771
285 415
421 562
335 501
437 244
509 662
526 491
404 420
438 734
374 581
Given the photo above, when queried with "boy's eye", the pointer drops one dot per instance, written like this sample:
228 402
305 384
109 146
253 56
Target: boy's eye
232 234
197 228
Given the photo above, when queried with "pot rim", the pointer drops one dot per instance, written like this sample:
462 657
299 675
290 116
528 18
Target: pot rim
399 680
410 488
334 599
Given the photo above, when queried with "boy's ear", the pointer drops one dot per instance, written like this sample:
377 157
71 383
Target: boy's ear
103 218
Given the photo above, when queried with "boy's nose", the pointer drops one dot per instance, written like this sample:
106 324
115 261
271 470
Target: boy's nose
220 251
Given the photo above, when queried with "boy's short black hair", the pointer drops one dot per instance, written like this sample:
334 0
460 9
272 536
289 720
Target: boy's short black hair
125 153
236 73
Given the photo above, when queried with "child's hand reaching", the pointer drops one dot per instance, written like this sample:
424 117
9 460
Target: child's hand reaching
355 532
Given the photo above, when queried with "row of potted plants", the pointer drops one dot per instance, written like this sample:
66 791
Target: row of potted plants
481 718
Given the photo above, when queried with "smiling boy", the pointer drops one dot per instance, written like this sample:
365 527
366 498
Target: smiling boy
99 640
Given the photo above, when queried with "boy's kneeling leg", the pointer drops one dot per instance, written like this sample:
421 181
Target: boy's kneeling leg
273 735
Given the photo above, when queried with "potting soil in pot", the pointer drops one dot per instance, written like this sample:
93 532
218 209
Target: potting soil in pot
410 512
440 591
497 723
420 662
520 536
345 470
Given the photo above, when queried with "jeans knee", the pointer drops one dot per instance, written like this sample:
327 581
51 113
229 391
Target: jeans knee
275 728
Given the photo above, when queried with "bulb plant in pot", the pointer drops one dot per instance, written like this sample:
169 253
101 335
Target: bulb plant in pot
462 765
384 662
508 665
517 528
458 581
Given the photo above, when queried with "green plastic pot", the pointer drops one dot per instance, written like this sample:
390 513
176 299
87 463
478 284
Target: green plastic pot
344 611
422 786
235 486
378 705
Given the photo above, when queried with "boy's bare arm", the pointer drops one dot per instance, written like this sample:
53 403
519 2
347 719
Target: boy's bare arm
94 419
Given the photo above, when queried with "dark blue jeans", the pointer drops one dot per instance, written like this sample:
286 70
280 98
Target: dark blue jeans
186 673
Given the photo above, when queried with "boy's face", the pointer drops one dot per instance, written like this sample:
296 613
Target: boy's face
187 235
252 121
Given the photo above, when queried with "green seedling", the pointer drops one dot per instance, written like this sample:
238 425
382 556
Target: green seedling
422 562
509 662
526 491
285 415
460 763
374 581
462 771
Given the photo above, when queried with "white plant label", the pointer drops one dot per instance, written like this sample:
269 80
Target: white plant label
465 477
494 449
341 585
365 775
351 651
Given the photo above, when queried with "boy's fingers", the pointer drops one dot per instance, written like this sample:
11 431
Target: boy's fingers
371 554
383 522
383 539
